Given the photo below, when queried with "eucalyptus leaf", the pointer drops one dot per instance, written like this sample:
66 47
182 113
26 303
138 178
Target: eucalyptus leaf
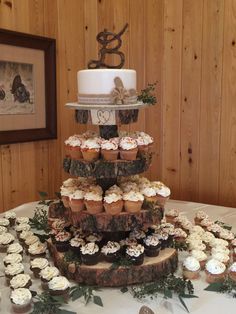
76 294
183 303
124 289
63 311
97 300
188 296
215 286
167 293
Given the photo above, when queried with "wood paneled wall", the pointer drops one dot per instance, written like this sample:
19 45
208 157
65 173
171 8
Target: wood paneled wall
187 46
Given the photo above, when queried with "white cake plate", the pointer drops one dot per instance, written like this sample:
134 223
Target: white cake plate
138 105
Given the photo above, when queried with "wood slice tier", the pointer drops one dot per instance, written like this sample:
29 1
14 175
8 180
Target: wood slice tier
102 275
107 169
113 223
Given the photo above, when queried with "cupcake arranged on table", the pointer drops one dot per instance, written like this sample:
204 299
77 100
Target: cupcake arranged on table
110 149
219 242
22 227
124 243
73 146
144 142
3 229
138 235
232 272
133 201
207 237
37 249
220 249
47 274
5 240
226 235
215 229
22 220
191 268
37 264
95 238
21 300
205 223
90 253
196 245
152 245
24 235
128 148
75 244
30 240
221 257
93 202
20 281
91 149
162 191
171 215
15 248
215 271
113 203
200 256
76 201
111 251
13 269
11 216
200 215
135 254
62 241
59 286
12 259
4 222
180 235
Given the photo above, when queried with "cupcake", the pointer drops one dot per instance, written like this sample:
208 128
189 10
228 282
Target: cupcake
93 202
226 235
133 201
219 242
220 249
12 259
5 240
207 237
11 216
4 222
111 251
128 148
24 235
232 272
66 192
171 215
149 193
152 245
22 220
164 238
90 253
200 256
135 254
144 142
62 241
191 268
75 244
162 191
214 228
20 281
221 257
31 240
215 271
3 229
129 186
113 203
22 227
37 264
138 235
205 223
59 286
124 243
76 201
47 274
21 299
200 215
91 149
95 238
73 146
13 269
37 249
198 229
110 149
114 189
196 245
15 248
180 235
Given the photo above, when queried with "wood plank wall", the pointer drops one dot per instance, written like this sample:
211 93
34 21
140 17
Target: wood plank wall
187 46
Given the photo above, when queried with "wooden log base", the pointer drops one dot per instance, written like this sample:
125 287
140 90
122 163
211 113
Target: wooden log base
112 223
107 169
103 275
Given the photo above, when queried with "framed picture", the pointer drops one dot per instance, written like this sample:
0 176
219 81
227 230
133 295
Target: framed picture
27 87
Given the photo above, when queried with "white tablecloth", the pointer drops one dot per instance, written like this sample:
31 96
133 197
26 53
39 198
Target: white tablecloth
116 302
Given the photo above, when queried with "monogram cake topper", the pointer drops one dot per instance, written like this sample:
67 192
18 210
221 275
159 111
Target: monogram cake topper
105 39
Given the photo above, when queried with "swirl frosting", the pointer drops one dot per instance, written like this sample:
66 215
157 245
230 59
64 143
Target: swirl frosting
110 144
74 140
22 220
6 238
77 242
161 189
3 229
89 248
91 143
4 222
14 269
173 212
49 272
127 143
135 250
63 236
199 255
22 227
59 283
143 138
151 240
25 234
219 242
221 257
20 281
77 195
112 197
191 263
12 258
110 247
93 196
21 296
133 196
148 190
220 249
215 267
39 263
31 240
15 248
37 248
10 214
180 233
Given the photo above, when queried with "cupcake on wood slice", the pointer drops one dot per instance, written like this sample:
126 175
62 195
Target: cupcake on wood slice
171 215
144 142
22 220
128 148
90 253
37 249
37 264
21 300
4 222
200 215
3 229
62 241
73 146
232 272
11 216
138 235
162 191
12 270
95 238
76 201
113 203
149 193
135 254
191 268
91 149
133 201
164 238
75 244
5 240
15 248
114 189
111 251
215 271
200 256
152 245
93 202
12 259
20 281
59 286
47 274
124 243
110 149
66 192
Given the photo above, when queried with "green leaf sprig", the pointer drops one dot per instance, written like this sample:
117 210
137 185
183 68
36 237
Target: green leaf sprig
71 257
167 286
223 225
87 293
121 262
147 95
180 246
40 219
228 286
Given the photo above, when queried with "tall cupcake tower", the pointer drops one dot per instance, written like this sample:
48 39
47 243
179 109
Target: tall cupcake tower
107 97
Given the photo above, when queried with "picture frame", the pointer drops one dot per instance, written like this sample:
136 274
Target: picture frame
27 87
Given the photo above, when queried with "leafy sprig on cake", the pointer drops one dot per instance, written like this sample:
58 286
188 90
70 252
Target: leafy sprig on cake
147 96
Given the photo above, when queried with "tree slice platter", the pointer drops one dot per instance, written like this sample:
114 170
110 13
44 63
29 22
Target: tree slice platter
103 275
107 169
113 223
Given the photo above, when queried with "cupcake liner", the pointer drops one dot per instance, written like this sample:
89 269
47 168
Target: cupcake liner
129 154
132 206
110 154
94 207
90 154
114 208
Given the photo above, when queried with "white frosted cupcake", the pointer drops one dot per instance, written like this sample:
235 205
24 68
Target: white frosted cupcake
12 259
200 256
226 235
37 264
215 271
3 229
21 299
197 245
4 222
221 257
180 235
22 220
5 240
15 248
76 201
37 249
144 142
110 149
11 216
219 242
22 227
47 274
93 202
73 146
128 148
133 201
200 215
114 189
191 268
31 240
149 193
220 249
90 253
111 251
162 191
13 269
20 281
59 286
171 215
66 192
113 203
24 235
135 253
129 186
91 149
